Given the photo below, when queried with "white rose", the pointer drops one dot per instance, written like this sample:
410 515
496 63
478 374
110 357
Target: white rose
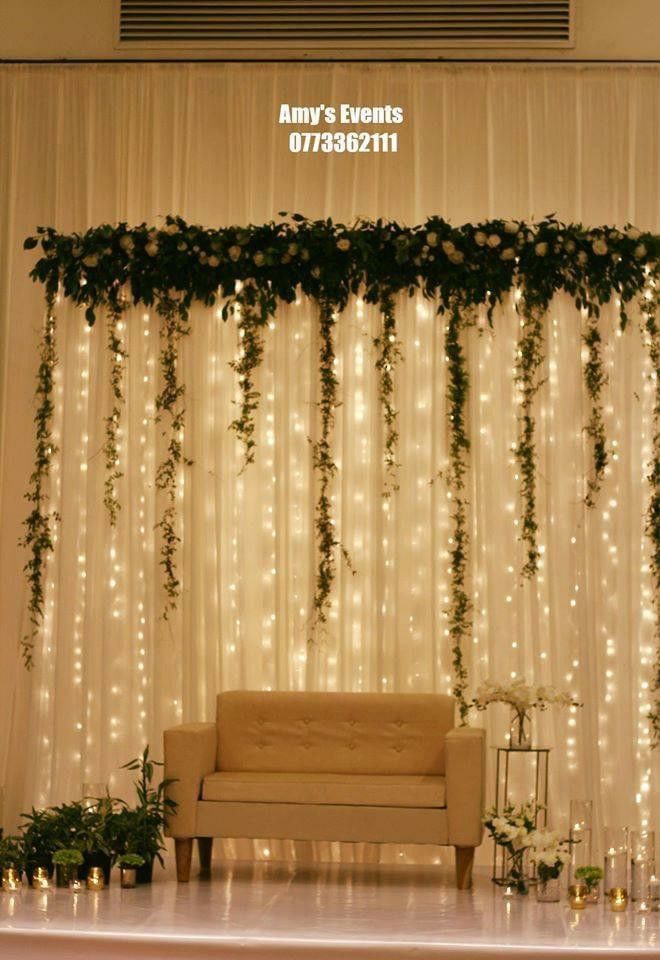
171 228
182 246
292 249
457 256
432 239
599 246
541 249
259 258
582 257
448 247
494 240
480 238
151 248
126 243
633 233
508 253
91 260
234 252
511 226
640 251
316 272
344 244
569 246
213 261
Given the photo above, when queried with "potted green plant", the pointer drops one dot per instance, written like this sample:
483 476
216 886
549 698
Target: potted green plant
590 876
129 864
140 828
11 855
41 835
67 862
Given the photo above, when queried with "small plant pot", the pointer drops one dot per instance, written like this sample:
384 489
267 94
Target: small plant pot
144 874
547 891
128 877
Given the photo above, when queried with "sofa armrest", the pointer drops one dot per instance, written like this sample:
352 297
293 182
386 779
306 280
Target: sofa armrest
465 768
190 752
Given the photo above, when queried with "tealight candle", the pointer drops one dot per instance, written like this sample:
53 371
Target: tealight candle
618 898
577 895
76 886
95 880
40 879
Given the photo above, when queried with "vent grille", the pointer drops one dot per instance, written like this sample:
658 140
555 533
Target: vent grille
369 23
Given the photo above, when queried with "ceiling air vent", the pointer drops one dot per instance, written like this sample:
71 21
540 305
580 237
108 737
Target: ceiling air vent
232 25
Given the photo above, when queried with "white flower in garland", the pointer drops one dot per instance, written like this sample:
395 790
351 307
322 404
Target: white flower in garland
448 247
127 243
259 258
457 256
494 240
344 244
292 249
633 233
91 260
234 252
432 239
151 249
480 238
599 246
511 226
541 248
213 261
508 253
171 228
640 251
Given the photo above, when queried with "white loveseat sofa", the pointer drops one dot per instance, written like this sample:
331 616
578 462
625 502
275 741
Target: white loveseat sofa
327 766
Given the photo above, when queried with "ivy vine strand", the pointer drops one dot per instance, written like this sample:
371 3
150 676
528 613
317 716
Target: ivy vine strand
38 536
117 350
327 542
253 315
388 346
459 611
529 358
650 308
595 379
170 403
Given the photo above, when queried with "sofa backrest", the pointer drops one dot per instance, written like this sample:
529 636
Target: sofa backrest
376 733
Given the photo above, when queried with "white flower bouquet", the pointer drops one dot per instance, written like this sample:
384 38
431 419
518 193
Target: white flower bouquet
513 828
549 853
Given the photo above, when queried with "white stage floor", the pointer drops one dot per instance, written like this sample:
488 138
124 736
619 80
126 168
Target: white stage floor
316 913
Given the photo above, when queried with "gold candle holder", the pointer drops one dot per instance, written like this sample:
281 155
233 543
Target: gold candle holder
577 895
618 899
11 879
95 879
40 879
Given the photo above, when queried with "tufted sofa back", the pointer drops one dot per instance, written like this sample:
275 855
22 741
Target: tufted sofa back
375 733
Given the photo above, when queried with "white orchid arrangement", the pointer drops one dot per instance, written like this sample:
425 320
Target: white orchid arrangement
549 853
521 696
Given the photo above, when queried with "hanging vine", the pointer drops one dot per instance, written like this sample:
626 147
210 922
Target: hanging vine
460 607
254 311
529 358
595 379
38 536
652 529
174 325
388 346
326 468
118 356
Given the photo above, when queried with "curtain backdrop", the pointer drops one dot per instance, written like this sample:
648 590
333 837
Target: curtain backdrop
87 144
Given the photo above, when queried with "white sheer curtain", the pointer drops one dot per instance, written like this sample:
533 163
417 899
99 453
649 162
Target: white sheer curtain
82 145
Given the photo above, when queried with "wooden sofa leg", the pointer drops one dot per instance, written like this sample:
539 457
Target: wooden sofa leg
183 853
464 861
205 848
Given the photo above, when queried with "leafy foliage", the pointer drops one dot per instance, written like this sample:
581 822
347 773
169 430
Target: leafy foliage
254 311
140 828
651 307
529 358
594 380
110 446
389 353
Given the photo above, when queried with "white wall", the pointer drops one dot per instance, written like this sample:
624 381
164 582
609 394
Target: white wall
50 29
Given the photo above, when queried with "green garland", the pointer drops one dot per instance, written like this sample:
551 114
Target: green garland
174 325
110 446
389 354
595 380
325 467
651 309
38 536
460 607
529 358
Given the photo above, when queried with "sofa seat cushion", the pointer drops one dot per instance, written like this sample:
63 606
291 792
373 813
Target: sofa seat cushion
363 790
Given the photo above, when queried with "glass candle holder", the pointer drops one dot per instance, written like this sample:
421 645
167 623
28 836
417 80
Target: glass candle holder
76 885
40 879
95 879
11 879
642 863
654 892
577 895
616 859
127 877
580 833
618 897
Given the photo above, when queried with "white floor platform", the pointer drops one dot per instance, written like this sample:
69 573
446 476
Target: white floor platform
322 912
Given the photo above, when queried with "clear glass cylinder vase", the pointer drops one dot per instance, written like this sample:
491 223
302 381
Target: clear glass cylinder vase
580 837
616 859
547 891
642 863
520 730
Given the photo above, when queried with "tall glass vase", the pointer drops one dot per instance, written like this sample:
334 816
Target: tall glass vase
581 816
616 859
642 863
520 730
